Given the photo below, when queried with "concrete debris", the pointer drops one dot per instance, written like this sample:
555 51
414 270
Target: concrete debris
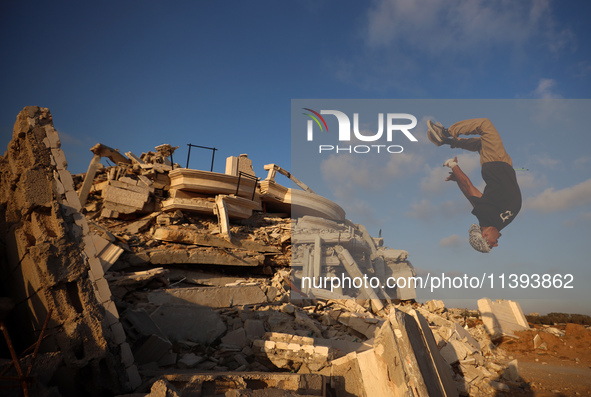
216 297
166 281
502 318
51 266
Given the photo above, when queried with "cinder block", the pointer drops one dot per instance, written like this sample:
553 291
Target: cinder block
60 159
322 350
126 355
89 247
135 380
81 221
73 200
104 292
118 333
96 267
66 180
111 313
52 137
58 187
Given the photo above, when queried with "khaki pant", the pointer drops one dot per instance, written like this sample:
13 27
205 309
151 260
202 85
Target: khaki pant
489 145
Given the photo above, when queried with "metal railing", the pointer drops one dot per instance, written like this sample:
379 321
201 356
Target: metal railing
213 150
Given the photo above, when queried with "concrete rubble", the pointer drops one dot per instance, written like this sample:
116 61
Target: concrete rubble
165 281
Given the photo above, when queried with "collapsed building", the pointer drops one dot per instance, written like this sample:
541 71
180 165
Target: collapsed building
151 278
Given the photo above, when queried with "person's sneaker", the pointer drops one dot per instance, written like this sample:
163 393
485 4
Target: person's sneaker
437 133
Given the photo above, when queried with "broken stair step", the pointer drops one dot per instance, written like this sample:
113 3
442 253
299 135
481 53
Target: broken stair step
184 235
205 256
215 297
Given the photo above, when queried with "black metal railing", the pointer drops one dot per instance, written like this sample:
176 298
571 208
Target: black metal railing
213 150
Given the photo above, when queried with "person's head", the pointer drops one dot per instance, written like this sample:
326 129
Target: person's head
491 234
483 239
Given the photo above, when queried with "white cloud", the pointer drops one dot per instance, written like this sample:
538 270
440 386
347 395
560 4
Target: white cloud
551 200
345 174
425 210
530 180
549 105
452 27
581 162
451 241
434 181
546 90
546 161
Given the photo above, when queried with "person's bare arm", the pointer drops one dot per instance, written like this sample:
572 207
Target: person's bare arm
464 183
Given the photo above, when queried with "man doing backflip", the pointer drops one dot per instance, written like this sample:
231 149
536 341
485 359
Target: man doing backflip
500 201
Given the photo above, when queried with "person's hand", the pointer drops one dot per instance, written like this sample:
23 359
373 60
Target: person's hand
451 162
451 177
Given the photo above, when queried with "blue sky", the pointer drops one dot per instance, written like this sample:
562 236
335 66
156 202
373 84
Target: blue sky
136 74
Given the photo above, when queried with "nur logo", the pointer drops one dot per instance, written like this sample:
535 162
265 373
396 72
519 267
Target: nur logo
344 133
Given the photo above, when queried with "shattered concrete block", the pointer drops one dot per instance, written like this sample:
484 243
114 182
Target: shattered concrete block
180 234
162 388
167 257
236 338
135 380
141 322
111 313
361 323
254 328
60 159
102 289
107 252
46 267
118 333
200 324
435 306
512 372
251 383
152 349
126 197
215 297
502 317
126 354
168 359
292 352
454 351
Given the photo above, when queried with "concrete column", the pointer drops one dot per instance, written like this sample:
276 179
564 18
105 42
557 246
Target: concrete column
89 178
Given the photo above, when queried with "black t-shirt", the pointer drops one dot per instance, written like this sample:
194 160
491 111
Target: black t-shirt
501 199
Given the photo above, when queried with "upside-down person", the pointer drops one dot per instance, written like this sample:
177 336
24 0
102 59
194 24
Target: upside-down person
500 201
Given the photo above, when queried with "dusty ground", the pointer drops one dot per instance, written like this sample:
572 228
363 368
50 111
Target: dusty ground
563 368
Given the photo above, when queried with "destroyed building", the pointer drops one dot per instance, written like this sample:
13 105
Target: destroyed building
146 277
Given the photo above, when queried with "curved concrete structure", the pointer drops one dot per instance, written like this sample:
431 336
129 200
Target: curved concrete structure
299 202
210 182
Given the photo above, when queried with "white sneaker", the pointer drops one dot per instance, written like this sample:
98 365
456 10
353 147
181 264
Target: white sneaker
435 133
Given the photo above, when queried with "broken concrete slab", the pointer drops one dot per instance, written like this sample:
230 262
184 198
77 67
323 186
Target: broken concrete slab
200 324
298 202
502 317
292 351
236 337
107 252
47 265
184 235
151 349
206 256
215 297
397 364
210 182
222 383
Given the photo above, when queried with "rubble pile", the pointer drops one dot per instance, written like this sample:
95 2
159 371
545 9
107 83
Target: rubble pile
170 281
